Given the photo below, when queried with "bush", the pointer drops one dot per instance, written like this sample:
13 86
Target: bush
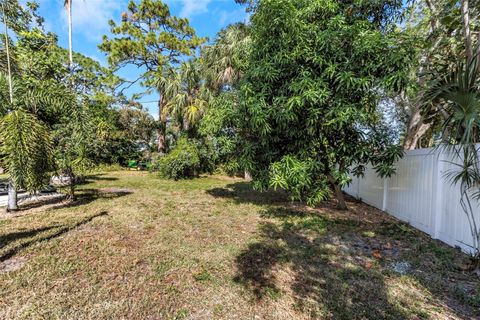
182 162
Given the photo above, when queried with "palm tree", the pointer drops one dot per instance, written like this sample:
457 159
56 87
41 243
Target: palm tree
27 150
223 61
457 96
68 6
25 143
187 96
224 65
12 191
165 87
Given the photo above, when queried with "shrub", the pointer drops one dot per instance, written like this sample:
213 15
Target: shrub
182 162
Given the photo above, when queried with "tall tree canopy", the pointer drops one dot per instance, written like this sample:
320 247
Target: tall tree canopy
150 38
312 90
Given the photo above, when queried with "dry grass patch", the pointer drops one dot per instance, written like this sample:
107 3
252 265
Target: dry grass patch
137 247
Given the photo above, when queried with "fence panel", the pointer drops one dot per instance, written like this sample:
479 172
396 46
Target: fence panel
370 188
420 194
454 227
410 190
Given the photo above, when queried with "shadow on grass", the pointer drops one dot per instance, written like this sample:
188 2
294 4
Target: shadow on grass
59 230
328 267
242 192
14 236
92 178
83 197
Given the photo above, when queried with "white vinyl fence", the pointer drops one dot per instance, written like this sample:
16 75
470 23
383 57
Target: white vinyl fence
420 194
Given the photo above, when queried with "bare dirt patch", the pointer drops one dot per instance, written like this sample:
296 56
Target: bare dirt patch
12 264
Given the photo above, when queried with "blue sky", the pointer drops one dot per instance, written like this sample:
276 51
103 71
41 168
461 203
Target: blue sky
90 23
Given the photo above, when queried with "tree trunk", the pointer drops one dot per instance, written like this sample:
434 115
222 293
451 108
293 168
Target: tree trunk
415 130
72 178
70 48
71 196
162 126
342 205
12 202
466 30
10 85
161 138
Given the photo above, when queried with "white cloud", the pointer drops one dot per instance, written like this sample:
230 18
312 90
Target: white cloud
90 17
191 8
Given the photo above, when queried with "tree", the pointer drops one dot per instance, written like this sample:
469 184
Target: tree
224 62
55 116
68 6
435 26
150 38
137 123
12 187
311 93
25 141
27 150
35 102
76 104
187 97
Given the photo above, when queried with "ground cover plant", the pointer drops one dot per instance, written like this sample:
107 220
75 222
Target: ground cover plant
138 247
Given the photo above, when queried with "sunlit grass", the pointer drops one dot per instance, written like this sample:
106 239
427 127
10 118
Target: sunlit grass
137 247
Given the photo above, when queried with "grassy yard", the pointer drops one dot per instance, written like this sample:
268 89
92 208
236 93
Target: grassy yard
137 247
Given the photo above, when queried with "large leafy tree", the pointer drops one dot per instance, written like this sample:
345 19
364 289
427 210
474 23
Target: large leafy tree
150 38
137 123
312 89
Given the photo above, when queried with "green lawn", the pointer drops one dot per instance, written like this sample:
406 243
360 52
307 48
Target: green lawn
137 247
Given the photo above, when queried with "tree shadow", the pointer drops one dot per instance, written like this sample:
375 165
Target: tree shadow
243 192
60 230
329 269
92 178
83 197
14 236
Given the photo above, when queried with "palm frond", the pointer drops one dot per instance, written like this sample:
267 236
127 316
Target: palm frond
27 150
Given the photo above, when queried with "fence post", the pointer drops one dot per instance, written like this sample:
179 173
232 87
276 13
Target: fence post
437 199
385 194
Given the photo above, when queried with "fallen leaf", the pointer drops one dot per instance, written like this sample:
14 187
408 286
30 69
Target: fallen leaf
376 254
